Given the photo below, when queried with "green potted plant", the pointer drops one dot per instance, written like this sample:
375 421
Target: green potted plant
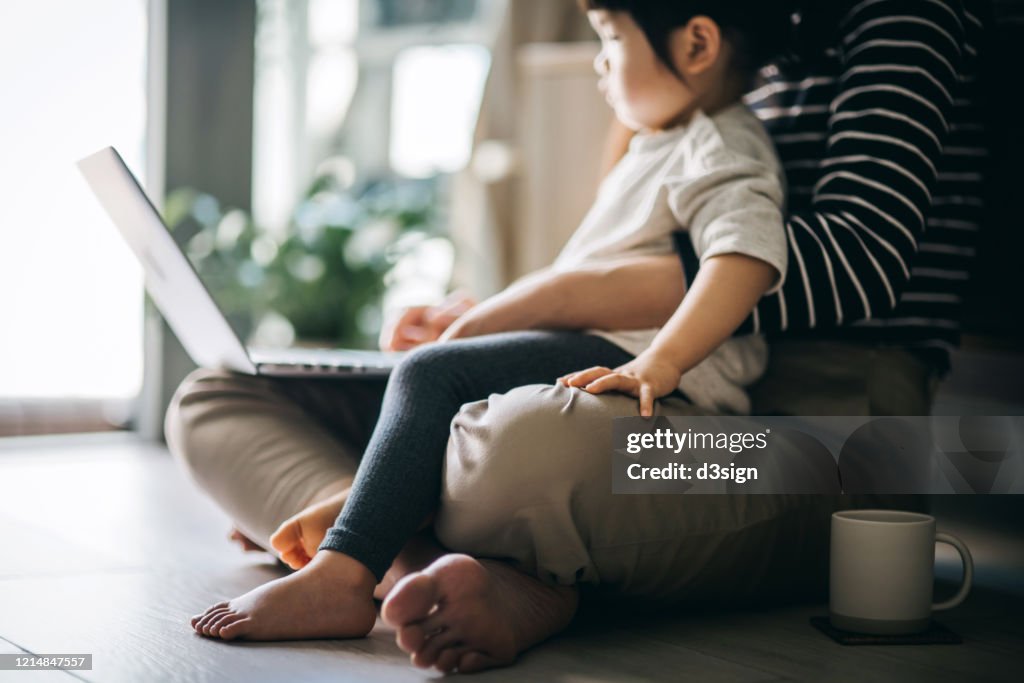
319 281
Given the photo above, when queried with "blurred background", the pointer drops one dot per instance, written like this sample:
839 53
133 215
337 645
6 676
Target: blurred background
322 163
325 162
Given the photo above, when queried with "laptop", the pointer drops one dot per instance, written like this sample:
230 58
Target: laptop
184 300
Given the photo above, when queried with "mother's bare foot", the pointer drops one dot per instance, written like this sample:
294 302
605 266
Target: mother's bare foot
419 552
298 538
247 543
467 614
332 597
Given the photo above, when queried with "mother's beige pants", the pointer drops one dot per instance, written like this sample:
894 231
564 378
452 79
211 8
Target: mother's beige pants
528 477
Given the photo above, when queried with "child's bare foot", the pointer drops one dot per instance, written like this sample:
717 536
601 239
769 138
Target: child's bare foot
467 614
297 539
330 598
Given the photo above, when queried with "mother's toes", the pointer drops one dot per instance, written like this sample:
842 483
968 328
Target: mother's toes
411 600
448 660
410 638
427 655
415 635
474 661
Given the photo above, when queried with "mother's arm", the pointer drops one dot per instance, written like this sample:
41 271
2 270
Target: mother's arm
633 293
852 251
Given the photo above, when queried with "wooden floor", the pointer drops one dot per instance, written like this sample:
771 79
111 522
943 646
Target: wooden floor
107 549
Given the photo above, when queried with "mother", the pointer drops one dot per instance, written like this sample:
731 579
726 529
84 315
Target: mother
875 120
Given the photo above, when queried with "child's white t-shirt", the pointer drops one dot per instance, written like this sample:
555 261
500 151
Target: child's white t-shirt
719 179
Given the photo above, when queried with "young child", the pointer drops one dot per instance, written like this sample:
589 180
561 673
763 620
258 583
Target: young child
701 162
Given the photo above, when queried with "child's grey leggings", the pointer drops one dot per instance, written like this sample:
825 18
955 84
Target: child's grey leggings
398 482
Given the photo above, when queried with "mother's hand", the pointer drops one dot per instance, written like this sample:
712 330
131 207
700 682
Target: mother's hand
421 324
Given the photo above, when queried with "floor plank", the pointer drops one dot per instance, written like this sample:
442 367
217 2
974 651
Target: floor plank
126 502
108 549
134 624
120 549
781 642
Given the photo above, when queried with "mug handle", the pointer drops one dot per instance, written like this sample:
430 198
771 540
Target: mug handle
968 562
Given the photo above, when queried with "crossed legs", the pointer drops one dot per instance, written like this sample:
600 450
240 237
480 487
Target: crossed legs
243 439
315 602
525 482
266 449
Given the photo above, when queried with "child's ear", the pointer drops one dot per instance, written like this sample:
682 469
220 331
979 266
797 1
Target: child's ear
698 45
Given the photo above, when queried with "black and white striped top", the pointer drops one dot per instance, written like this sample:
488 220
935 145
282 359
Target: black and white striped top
883 148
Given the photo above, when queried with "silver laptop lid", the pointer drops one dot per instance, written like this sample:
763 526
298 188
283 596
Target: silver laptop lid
170 278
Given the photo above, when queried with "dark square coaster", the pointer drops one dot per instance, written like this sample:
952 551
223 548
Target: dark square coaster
937 634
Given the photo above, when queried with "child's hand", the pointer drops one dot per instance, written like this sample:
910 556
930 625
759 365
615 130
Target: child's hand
646 377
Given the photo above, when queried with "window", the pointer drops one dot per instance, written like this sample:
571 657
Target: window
386 89
73 78
362 109
434 103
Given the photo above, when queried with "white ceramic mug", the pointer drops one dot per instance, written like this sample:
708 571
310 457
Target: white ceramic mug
882 569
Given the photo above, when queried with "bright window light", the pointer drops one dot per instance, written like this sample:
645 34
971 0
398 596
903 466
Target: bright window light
73 78
333 22
437 93
331 79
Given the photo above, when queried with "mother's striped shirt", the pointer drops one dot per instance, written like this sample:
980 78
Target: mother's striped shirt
883 147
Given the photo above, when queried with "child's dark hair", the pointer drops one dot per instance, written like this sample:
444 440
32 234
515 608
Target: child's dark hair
758 30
